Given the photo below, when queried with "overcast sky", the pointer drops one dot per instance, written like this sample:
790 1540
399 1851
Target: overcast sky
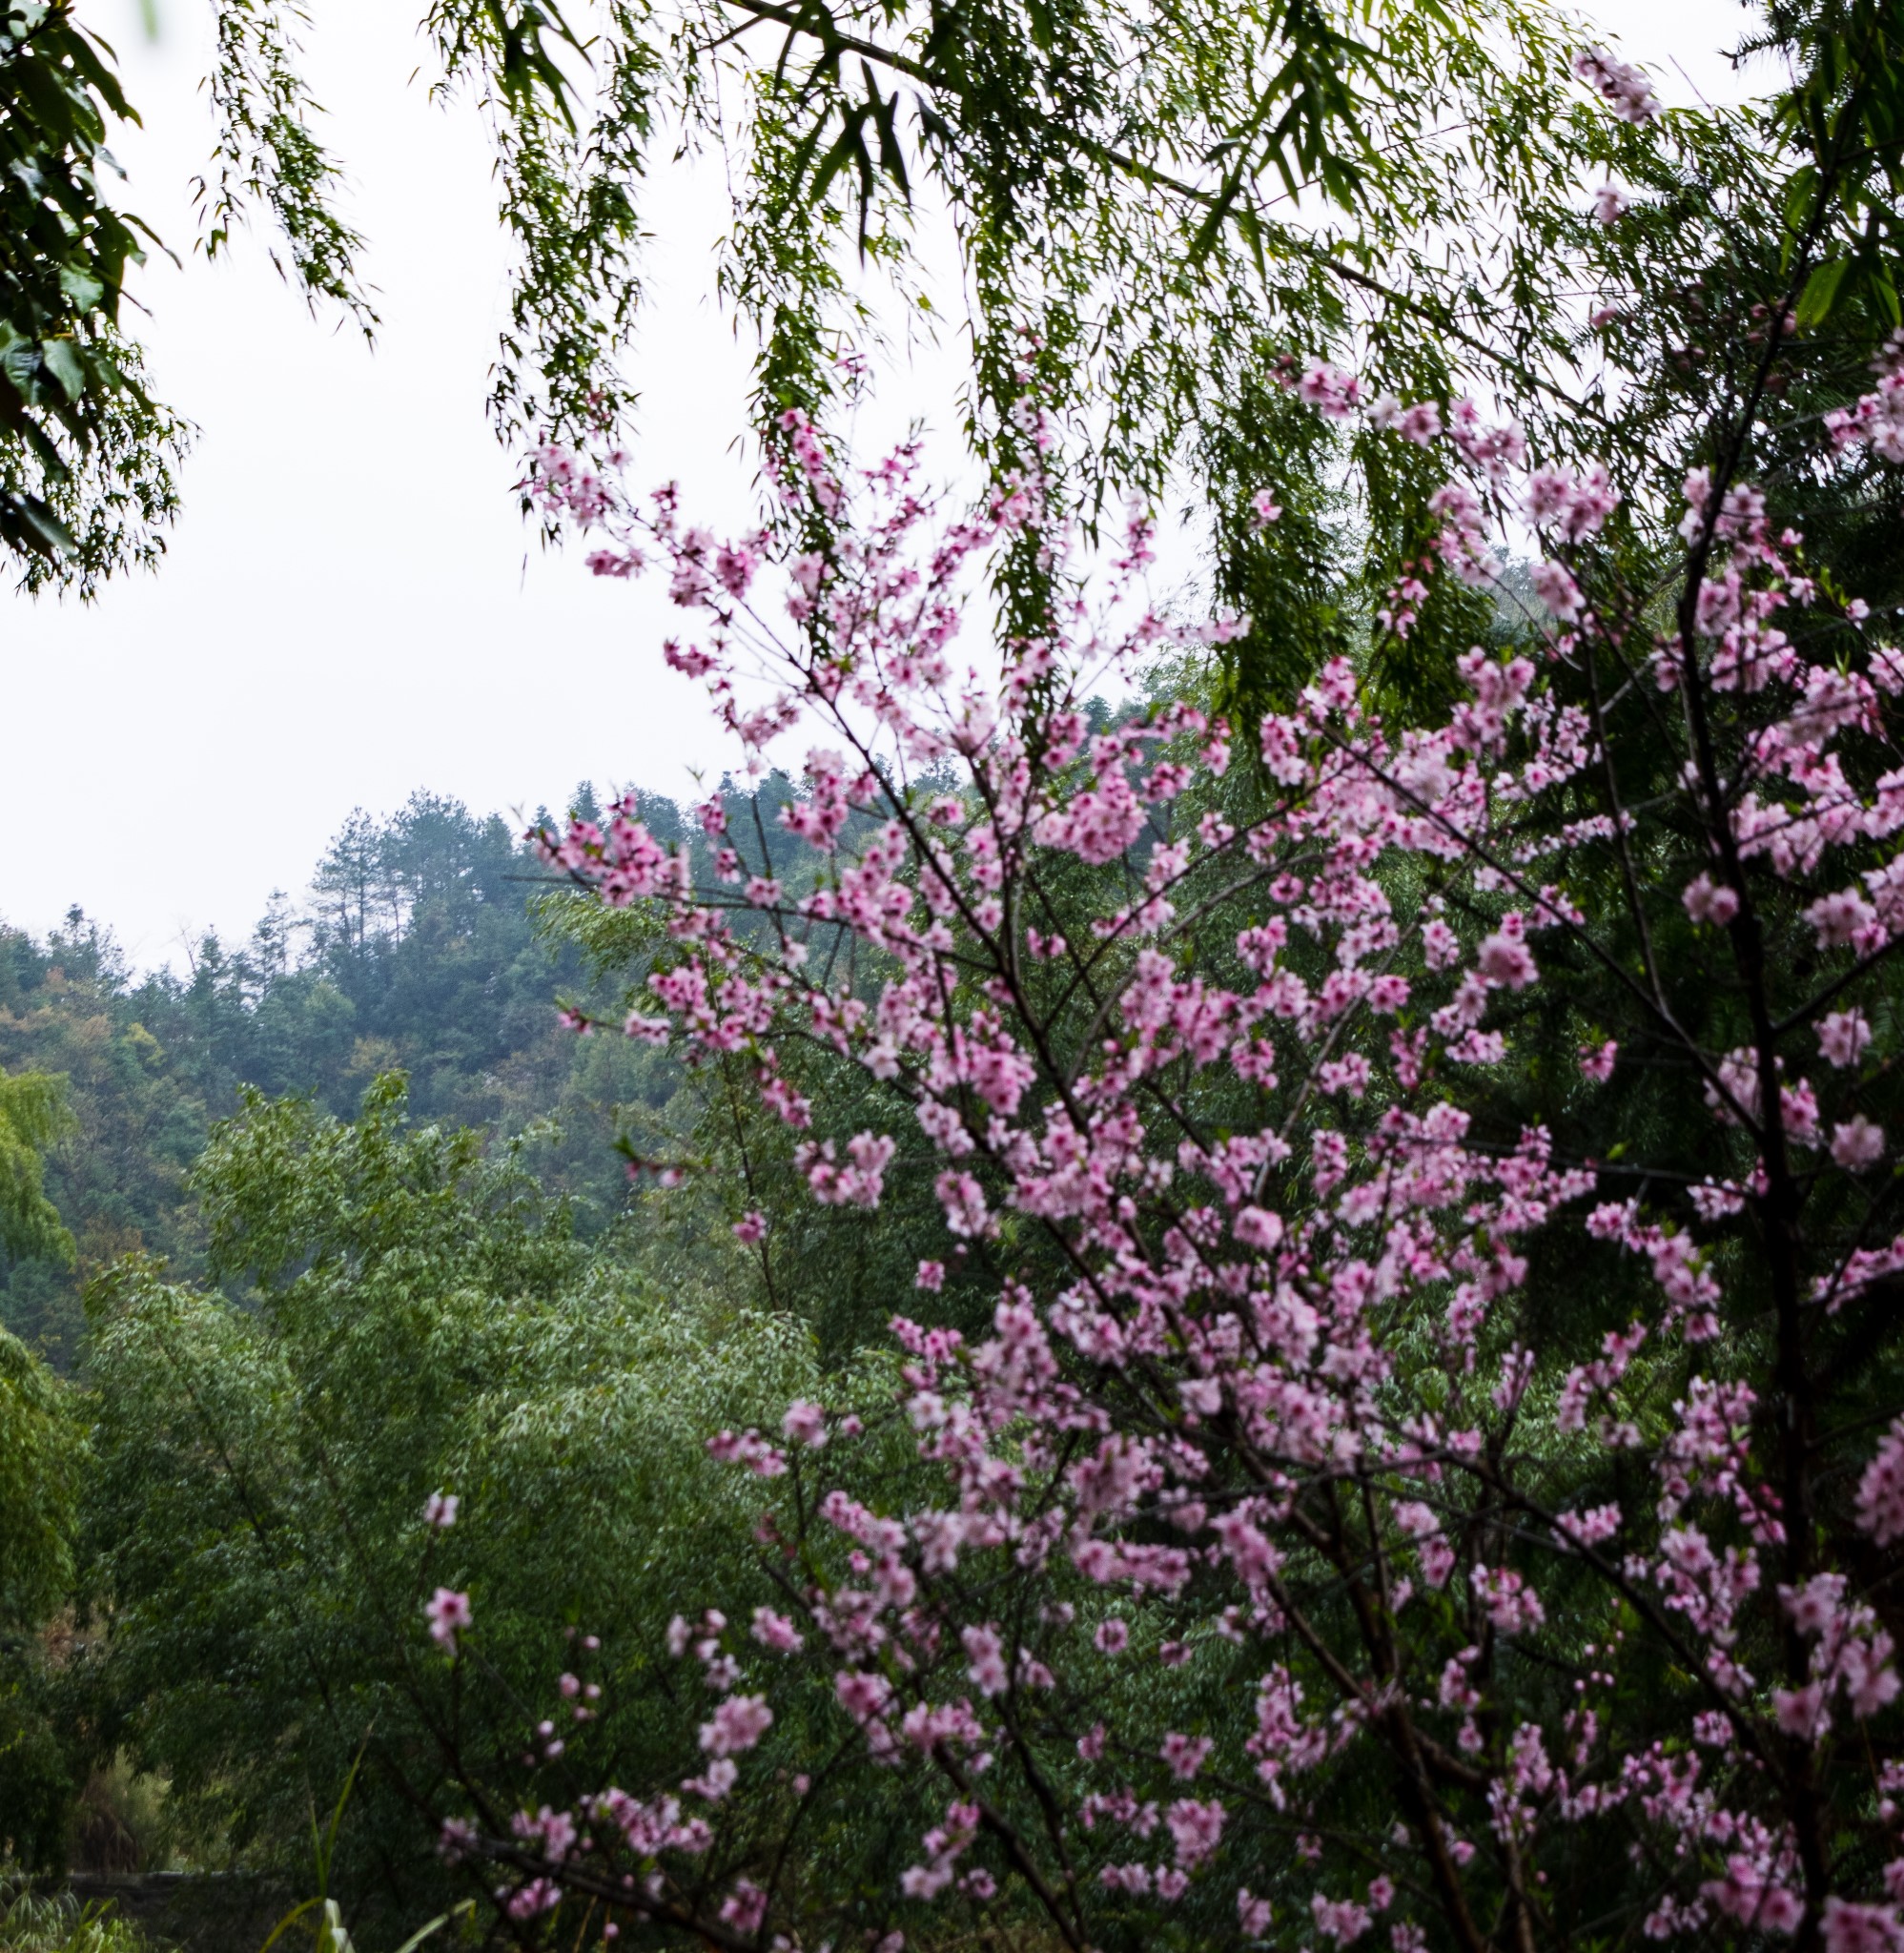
350 607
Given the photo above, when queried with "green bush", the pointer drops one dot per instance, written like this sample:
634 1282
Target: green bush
36 1792
403 1316
37 1922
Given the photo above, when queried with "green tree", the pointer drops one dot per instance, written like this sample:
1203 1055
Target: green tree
137 1116
85 453
33 1117
39 1488
411 1319
42 1448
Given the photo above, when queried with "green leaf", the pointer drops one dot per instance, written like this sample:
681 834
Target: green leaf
81 287
27 523
1821 291
61 358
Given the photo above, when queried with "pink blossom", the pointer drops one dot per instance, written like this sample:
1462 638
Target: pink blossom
1253 1914
1421 423
805 1424
1709 902
1341 1919
988 1670
776 1632
537 1896
1842 1037
1332 391
1880 1492
745 1907
1858 1145
1590 1526
1512 1603
1195 1829
1554 586
1597 1061
716 1781
1255 1227
1127 1877
439 1510
1799 1712
1850 1928
863 1697
1294 1244
749 1448
1840 917
1503 959
1746 1893
1814 1607
963 1200
1624 87
1798 1111
448 1612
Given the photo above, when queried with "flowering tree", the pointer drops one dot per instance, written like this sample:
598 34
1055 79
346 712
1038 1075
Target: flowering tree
1405 1483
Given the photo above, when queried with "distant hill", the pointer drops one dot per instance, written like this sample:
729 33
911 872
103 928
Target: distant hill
417 946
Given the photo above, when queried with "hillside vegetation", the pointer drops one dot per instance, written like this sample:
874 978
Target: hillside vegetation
417 948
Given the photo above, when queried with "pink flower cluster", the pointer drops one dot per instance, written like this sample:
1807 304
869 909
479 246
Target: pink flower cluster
1624 87
1876 418
1277 1393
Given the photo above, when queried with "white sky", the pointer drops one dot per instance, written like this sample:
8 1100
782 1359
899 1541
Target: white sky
350 607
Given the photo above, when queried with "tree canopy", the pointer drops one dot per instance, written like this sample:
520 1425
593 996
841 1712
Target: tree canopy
87 455
1148 207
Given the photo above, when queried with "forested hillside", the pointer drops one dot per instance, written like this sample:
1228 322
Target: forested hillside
416 947
381 1172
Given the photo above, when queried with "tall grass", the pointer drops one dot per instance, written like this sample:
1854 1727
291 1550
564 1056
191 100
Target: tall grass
56 1922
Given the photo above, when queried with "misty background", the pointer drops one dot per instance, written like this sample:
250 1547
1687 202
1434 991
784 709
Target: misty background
352 608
